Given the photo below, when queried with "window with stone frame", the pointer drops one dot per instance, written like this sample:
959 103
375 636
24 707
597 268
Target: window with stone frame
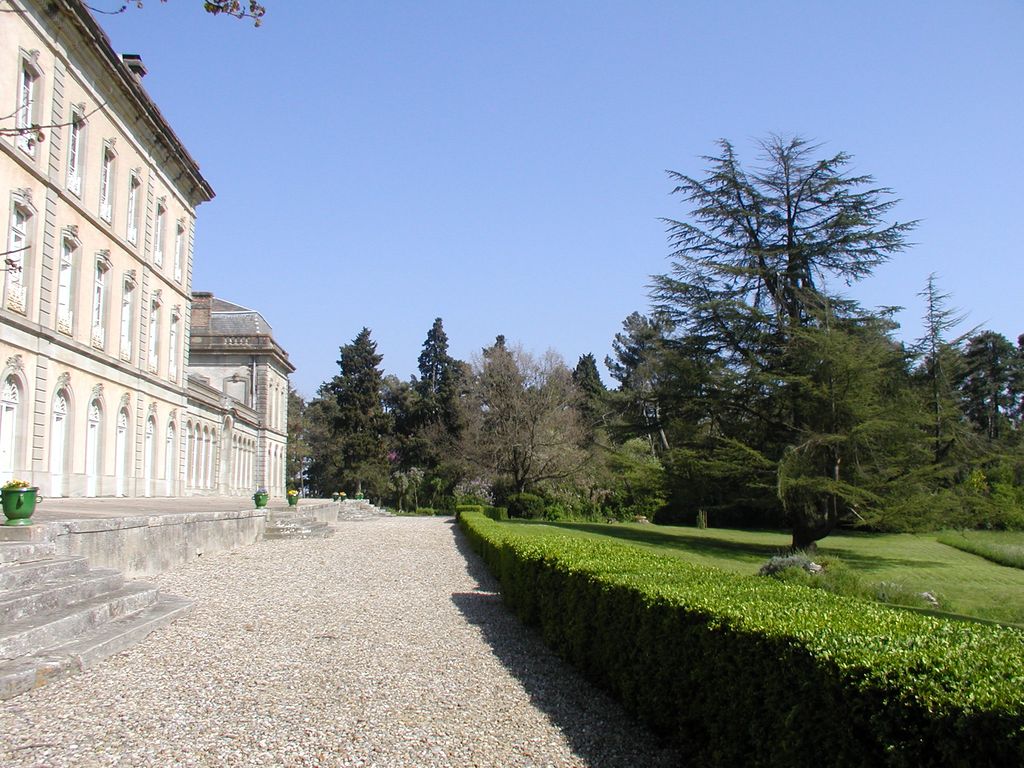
26 116
127 317
11 413
159 221
19 249
69 246
76 149
107 167
172 346
153 337
179 248
134 190
100 299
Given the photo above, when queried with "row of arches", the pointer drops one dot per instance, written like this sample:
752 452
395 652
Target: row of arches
84 459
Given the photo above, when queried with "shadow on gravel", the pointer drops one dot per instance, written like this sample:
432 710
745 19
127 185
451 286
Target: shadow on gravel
596 727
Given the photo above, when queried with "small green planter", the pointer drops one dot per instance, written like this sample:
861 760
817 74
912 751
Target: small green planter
260 499
19 504
293 501
334 497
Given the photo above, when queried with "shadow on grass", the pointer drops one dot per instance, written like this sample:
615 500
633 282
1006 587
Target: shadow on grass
705 544
742 551
596 727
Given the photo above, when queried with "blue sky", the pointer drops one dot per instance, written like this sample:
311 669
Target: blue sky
502 164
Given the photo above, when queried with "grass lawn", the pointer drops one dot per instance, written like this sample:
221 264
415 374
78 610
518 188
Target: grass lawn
964 583
1003 547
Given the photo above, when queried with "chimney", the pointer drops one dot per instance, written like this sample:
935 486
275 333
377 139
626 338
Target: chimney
202 301
134 63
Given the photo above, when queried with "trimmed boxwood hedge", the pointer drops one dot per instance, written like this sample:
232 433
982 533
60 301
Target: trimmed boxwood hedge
747 671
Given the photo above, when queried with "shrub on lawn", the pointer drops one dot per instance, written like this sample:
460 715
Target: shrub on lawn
526 505
747 671
496 513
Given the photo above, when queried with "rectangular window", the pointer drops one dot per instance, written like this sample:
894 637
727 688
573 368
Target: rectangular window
127 313
107 185
172 349
75 144
15 259
158 235
133 207
154 337
65 313
99 306
26 112
179 250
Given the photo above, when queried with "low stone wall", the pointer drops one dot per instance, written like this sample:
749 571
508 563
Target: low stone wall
145 545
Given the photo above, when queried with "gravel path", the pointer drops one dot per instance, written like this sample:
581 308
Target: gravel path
385 645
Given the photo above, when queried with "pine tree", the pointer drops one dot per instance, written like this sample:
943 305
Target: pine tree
593 393
939 367
360 420
638 365
748 282
989 372
441 377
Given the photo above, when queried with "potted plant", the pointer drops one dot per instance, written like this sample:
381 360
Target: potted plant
341 495
19 501
334 496
260 497
293 497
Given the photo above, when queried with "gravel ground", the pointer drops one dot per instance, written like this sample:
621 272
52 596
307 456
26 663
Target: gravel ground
385 645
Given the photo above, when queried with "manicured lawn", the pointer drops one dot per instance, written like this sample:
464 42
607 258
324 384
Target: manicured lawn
1003 547
965 583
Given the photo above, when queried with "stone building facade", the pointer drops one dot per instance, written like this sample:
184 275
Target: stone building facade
233 357
98 196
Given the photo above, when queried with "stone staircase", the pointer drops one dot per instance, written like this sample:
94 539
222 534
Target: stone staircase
295 525
316 519
58 616
359 509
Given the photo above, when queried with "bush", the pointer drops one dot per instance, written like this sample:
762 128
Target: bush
496 513
748 671
460 509
526 505
832 575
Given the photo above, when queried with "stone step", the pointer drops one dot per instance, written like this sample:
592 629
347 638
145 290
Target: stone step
17 551
29 572
27 672
296 528
32 634
51 594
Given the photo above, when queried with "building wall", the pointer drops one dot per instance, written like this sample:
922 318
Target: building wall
95 303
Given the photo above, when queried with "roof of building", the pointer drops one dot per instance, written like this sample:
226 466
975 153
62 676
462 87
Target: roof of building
235 320
129 83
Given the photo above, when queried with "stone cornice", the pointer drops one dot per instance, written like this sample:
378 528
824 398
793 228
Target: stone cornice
97 39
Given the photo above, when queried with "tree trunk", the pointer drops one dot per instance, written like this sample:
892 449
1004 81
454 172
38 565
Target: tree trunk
808 529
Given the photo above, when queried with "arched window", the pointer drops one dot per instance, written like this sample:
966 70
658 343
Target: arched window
10 416
211 476
59 433
93 447
169 463
197 450
149 457
121 454
190 449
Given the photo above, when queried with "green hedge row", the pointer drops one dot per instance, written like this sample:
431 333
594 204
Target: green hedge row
748 671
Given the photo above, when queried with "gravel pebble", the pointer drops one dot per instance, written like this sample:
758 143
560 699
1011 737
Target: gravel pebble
385 645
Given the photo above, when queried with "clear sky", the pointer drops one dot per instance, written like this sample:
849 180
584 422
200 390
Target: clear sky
502 164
